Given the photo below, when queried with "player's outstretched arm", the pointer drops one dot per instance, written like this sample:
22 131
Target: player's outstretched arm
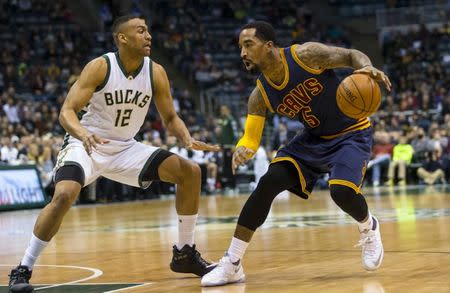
164 104
80 93
249 143
320 56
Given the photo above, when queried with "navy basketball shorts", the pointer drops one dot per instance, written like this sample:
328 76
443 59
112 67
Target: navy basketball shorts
345 158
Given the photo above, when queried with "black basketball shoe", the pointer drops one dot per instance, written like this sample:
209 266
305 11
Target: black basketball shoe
19 280
188 260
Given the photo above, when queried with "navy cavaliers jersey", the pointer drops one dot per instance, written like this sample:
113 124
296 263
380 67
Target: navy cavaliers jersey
309 95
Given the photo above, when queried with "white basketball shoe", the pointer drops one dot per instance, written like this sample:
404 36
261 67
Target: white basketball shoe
226 272
372 247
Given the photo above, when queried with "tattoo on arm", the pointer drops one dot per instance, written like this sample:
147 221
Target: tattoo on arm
256 104
320 56
359 59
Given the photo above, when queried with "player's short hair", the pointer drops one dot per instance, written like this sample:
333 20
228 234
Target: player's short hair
264 30
119 21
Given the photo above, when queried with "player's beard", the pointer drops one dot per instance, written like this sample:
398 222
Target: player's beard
253 70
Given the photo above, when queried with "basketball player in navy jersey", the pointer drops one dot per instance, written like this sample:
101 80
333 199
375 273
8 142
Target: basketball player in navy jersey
298 82
112 97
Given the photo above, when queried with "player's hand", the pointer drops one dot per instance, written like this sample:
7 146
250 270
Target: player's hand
376 74
201 146
241 156
90 142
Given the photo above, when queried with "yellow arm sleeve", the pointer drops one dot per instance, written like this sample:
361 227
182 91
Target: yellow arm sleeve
253 131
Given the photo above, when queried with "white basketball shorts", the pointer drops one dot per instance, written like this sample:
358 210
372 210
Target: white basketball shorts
121 161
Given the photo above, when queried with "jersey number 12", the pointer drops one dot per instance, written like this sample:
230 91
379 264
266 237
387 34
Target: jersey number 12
123 117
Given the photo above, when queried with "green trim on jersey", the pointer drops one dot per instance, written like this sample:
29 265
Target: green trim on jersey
122 68
151 76
105 81
67 135
66 141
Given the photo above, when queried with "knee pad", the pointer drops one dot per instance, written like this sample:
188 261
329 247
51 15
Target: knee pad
279 177
340 192
349 201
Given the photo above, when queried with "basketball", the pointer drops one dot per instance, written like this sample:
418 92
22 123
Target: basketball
358 96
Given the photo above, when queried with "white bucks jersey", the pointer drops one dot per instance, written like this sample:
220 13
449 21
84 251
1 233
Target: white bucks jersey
118 107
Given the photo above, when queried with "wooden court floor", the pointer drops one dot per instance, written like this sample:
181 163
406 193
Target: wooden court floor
304 246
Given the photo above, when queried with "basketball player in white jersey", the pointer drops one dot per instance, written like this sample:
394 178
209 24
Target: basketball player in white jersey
111 99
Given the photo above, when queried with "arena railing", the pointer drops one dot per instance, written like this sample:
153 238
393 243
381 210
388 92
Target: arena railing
404 16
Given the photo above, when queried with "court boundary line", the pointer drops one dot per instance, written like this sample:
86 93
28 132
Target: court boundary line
131 287
91 284
96 273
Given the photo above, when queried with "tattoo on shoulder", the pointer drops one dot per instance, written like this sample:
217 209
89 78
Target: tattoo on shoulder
256 104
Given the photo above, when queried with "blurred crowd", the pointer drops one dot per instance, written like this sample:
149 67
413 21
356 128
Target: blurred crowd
201 39
418 63
410 150
38 65
412 127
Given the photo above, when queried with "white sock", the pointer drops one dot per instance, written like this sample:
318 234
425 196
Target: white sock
367 225
211 182
33 251
237 249
186 227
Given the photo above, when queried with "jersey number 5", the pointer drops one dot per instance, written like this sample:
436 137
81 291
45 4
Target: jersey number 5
123 117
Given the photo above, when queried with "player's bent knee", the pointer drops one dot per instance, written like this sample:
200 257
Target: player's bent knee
349 201
340 193
190 171
178 170
196 170
63 200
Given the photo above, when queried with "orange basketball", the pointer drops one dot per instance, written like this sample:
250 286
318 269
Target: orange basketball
358 96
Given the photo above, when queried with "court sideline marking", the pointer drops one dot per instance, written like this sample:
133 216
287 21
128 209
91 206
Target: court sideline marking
127 288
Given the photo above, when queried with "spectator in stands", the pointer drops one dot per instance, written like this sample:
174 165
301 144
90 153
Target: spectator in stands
208 167
211 167
293 127
11 111
176 148
45 166
420 141
33 154
381 155
432 170
186 102
436 139
227 139
206 161
446 105
279 137
422 81
402 156
261 165
228 126
9 151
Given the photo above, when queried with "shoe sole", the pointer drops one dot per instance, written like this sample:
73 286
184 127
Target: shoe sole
186 271
22 290
240 280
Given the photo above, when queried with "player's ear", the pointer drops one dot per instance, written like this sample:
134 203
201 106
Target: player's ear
270 45
122 38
